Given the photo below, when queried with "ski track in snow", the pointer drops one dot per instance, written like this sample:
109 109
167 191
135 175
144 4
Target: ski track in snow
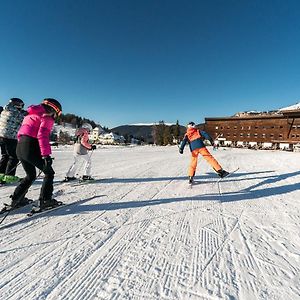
142 233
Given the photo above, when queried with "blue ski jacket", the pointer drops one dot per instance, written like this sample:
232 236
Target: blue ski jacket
195 138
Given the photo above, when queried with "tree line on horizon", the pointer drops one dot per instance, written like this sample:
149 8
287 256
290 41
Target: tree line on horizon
74 120
166 135
162 134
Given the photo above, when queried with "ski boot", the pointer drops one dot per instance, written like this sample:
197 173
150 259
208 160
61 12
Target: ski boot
10 179
222 173
2 178
86 177
67 179
15 204
45 205
191 179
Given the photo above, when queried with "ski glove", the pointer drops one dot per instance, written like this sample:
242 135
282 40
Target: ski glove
47 162
93 147
180 151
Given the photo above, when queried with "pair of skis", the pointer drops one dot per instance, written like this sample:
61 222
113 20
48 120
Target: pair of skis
218 180
33 211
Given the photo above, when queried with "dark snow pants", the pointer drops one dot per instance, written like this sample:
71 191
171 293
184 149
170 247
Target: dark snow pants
29 154
9 158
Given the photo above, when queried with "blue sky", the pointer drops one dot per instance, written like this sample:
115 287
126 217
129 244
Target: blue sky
132 61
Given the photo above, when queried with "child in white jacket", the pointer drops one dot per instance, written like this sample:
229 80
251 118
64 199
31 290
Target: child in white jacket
81 148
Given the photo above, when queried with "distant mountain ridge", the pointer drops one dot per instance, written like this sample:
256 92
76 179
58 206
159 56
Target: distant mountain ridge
141 131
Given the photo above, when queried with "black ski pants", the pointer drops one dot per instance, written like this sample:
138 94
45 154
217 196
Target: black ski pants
29 154
9 160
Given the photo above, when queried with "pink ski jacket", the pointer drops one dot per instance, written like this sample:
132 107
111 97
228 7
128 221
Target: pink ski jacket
38 124
82 144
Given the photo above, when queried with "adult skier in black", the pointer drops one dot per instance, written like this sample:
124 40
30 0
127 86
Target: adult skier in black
10 121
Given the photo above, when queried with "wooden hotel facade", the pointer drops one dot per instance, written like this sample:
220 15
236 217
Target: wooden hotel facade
275 130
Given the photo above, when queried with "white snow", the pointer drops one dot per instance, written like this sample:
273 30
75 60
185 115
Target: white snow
142 233
292 107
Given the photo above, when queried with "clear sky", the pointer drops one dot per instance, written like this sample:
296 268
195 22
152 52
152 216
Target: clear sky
131 61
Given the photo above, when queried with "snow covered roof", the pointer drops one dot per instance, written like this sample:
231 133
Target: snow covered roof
292 107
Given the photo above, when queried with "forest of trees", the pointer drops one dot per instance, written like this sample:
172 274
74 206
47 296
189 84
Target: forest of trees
75 120
166 135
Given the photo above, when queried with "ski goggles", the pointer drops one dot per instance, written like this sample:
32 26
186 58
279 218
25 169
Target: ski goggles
55 108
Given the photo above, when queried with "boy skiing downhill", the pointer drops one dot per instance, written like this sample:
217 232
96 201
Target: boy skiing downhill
81 148
34 151
10 121
195 139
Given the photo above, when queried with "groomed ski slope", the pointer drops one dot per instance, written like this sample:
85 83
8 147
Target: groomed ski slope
142 233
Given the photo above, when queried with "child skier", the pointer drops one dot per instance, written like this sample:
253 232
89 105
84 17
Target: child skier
81 148
195 139
34 151
10 121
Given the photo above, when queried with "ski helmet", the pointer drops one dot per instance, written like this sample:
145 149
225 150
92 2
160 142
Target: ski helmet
87 126
17 102
53 104
191 125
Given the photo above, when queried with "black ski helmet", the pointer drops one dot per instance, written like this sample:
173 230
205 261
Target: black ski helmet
53 104
17 102
191 125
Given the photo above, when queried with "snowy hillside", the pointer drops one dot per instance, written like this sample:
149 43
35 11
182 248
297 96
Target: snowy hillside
67 128
142 233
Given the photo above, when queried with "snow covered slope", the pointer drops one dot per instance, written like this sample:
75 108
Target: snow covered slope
141 233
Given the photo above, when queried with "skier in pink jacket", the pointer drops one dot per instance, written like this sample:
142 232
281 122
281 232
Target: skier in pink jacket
34 151
81 148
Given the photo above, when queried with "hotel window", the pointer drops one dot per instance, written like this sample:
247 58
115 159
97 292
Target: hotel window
241 134
248 134
228 134
217 127
249 127
255 135
228 127
264 135
271 135
280 136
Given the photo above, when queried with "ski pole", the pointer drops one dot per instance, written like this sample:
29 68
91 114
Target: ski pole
15 167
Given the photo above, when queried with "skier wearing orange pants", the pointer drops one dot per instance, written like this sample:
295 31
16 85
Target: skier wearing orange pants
195 139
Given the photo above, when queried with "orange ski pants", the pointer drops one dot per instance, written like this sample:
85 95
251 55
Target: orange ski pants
207 156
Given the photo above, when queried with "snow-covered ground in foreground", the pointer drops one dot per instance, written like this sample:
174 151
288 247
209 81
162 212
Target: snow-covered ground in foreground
142 233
